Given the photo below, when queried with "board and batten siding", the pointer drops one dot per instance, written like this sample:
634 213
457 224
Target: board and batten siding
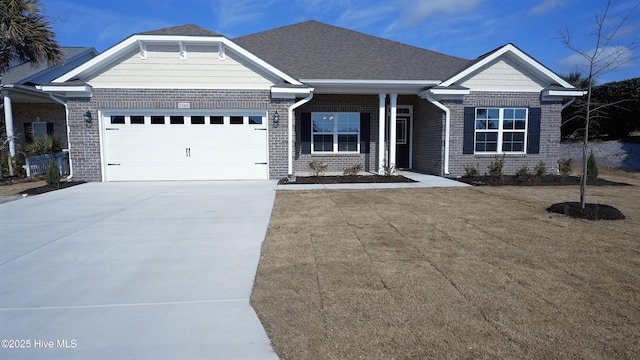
504 74
163 68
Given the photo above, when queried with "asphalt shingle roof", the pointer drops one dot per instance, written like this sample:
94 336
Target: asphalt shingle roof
183 30
314 50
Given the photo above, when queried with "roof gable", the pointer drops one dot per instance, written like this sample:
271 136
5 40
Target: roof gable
314 50
509 53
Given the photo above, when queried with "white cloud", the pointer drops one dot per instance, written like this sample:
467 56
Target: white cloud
417 11
546 7
359 17
608 59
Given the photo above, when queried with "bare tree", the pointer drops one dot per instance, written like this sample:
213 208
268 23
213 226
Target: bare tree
607 55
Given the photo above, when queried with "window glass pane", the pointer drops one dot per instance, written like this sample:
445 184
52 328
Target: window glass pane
255 120
487 141
513 142
494 124
520 124
494 114
508 113
481 124
39 129
347 142
507 124
136 120
322 143
323 122
157 120
216 120
481 113
520 114
236 120
117 119
176 120
197 120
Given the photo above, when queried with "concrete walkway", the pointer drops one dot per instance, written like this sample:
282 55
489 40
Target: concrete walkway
422 181
134 271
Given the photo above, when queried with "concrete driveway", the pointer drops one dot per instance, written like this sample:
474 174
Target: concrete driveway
134 271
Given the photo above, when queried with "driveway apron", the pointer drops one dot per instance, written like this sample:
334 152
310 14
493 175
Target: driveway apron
160 270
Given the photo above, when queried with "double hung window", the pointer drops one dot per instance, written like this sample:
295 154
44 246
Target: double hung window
500 130
335 132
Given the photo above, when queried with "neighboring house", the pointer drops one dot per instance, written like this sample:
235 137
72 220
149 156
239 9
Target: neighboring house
29 112
185 103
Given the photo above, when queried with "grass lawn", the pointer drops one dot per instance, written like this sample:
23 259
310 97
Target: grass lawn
478 272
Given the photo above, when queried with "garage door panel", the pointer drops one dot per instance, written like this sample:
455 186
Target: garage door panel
185 152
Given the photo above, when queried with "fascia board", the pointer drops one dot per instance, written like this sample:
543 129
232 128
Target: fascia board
564 93
520 56
132 42
324 86
289 93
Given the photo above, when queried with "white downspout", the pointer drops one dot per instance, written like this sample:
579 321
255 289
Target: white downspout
568 103
447 129
290 120
66 118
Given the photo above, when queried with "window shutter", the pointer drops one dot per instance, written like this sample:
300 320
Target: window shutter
365 133
305 133
469 130
49 128
28 133
533 141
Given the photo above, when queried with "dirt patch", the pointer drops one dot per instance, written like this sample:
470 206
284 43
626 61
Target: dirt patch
46 188
474 272
346 179
31 186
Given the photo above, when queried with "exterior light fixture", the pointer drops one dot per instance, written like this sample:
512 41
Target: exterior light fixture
276 119
87 118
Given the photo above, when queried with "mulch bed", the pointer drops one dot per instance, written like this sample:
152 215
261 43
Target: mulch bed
47 188
590 211
547 180
346 179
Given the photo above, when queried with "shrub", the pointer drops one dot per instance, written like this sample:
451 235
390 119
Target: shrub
353 170
471 171
317 168
44 145
564 166
523 172
388 170
592 167
53 174
540 169
495 167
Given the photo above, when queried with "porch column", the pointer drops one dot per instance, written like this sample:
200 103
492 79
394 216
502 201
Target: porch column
392 133
8 119
381 126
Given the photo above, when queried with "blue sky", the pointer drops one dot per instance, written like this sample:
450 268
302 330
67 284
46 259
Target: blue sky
464 28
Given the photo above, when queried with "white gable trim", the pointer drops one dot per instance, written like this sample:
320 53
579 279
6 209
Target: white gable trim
140 41
526 60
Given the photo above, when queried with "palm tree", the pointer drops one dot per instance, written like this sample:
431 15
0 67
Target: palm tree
25 35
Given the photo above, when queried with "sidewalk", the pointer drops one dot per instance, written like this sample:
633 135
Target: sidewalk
422 181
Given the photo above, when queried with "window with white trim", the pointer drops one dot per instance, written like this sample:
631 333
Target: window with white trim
335 132
500 130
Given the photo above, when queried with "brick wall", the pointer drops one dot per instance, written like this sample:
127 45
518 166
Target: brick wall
85 141
428 138
549 131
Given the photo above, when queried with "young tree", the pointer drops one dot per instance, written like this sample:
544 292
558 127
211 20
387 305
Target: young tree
25 35
607 55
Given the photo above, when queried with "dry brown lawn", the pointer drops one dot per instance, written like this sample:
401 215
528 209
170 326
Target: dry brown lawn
478 272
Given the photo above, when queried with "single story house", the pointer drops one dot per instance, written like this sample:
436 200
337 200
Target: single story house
186 103
29 112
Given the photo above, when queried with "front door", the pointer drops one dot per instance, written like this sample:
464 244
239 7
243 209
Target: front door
403 138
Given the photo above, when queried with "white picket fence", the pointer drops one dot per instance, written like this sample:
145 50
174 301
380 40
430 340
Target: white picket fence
38 165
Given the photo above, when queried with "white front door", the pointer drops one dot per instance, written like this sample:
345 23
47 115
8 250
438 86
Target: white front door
185 146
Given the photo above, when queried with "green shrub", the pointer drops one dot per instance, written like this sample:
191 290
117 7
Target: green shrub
471 171
564 166
495 167
592 167
540 169
523 172
317 168
352 170
44 145
53 174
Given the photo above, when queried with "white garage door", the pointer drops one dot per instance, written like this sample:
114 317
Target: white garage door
185 146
